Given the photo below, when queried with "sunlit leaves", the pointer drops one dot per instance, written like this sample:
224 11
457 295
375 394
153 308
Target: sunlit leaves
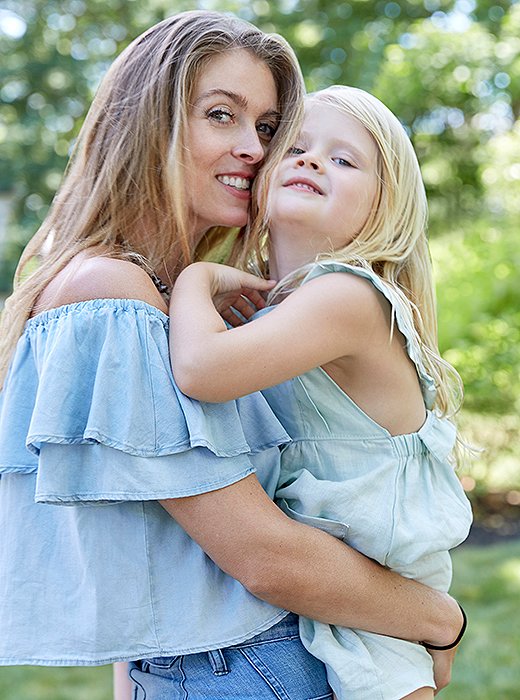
479 311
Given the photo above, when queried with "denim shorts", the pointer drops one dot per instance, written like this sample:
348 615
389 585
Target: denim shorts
274 664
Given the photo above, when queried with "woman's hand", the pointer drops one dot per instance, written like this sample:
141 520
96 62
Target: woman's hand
442 665
232 290
244 300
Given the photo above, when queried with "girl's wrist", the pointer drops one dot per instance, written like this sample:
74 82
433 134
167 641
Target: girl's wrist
196 276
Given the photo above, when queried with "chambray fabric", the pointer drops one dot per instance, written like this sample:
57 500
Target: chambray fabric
92 431
395 498
273 665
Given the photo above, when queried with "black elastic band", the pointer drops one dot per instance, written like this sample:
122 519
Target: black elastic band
459 637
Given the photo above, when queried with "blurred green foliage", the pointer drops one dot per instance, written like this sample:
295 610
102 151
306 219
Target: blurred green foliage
476 268
48 683
449 68
487 583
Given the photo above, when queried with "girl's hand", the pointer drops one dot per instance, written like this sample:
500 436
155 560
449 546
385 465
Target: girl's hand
233 290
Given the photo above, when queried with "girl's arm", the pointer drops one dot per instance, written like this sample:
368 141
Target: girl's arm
212 363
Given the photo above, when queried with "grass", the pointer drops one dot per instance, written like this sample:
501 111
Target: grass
46 683
487 582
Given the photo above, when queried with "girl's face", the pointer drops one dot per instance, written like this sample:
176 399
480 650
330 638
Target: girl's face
326 186
231 120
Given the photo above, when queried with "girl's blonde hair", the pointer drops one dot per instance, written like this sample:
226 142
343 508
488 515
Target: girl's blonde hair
392 242
126 169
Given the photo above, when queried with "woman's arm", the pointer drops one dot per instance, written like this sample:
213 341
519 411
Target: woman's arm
306 570
212 363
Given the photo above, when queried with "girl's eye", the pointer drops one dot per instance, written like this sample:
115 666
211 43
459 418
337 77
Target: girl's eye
295 151
220 115
342 161
266 130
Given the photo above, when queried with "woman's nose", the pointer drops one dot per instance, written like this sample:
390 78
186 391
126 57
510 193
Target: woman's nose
250 149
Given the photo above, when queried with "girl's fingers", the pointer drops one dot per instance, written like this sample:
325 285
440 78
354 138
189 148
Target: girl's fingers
240 303
230 278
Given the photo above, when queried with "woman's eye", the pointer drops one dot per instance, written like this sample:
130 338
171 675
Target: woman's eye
295 151
266 130
223 116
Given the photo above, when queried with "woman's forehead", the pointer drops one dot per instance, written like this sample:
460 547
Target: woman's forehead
238 72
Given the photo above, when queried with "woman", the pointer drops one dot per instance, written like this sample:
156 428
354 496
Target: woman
177 131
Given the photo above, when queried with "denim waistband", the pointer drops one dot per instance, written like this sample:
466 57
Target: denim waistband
287 628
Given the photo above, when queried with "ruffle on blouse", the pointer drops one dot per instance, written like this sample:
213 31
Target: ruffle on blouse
402 318
94 378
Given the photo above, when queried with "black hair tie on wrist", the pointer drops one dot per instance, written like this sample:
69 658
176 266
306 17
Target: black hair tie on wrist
459 636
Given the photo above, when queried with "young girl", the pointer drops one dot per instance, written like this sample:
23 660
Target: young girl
350 356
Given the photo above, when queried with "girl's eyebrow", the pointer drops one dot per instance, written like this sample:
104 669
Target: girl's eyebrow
305 137
352 149
238 99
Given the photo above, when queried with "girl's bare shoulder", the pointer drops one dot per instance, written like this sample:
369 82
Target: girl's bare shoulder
342 297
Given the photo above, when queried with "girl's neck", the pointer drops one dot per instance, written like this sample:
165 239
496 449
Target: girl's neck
288 253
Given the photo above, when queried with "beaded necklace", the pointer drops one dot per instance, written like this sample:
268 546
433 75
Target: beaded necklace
164 290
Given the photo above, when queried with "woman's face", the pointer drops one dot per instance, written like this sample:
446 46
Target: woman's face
231 120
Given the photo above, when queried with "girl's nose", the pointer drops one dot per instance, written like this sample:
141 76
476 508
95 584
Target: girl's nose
309 160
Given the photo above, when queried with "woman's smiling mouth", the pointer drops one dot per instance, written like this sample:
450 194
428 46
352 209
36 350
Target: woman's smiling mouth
240 183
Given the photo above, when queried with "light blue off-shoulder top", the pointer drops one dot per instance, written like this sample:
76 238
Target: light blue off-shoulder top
91 419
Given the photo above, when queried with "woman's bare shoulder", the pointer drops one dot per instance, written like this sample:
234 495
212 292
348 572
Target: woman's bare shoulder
88 277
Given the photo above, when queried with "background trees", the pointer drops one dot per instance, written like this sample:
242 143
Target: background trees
449 68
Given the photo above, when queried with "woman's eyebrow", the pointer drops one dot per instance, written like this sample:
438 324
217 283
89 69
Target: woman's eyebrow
238 99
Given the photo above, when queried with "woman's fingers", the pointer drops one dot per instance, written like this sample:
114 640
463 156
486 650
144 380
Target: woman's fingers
244 302
230 316
442 663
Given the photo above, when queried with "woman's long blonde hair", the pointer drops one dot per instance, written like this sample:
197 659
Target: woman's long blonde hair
392 241
127 164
